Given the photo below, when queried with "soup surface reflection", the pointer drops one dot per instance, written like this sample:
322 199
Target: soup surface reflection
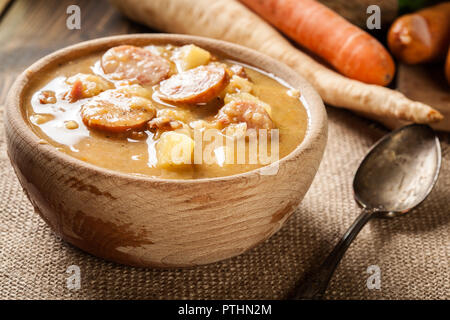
166 111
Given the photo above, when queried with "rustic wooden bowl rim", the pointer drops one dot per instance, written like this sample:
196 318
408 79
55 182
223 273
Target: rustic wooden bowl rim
14 110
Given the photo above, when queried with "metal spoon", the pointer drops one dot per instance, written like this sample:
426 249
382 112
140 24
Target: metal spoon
396 175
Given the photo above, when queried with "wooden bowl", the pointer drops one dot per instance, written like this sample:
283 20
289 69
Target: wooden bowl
146 221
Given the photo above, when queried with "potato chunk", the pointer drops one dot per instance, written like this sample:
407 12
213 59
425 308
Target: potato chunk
174 149
135 90
191 56
86 86
247 97
238 84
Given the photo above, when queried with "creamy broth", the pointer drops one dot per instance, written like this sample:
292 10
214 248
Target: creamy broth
58 120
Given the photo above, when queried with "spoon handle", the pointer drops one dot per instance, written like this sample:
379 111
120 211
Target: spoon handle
316 284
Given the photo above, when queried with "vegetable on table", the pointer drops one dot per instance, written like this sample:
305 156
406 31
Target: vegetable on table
422 36
231 21
350 50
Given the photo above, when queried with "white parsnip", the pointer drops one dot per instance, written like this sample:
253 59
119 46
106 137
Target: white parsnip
231 21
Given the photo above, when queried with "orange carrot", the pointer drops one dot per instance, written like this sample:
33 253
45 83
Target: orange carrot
422 36
350 50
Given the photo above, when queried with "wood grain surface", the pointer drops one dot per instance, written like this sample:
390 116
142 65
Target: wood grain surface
31 29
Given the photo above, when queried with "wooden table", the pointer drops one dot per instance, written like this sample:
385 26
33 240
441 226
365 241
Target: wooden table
31 29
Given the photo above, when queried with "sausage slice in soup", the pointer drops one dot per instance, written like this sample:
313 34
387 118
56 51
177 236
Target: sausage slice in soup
198 85
117 111
134 63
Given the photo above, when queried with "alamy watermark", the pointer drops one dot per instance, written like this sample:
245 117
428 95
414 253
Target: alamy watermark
73 282
374 20
73 21
374 280
211 146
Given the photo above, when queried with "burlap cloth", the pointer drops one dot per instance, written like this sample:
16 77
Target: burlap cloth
413 252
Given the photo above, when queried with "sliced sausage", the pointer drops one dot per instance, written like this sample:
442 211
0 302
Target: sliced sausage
117 111
253 114
198 85
134 63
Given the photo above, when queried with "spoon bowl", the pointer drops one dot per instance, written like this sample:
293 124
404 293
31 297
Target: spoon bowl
399 171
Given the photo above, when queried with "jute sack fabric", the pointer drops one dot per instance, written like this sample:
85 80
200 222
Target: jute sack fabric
412 252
